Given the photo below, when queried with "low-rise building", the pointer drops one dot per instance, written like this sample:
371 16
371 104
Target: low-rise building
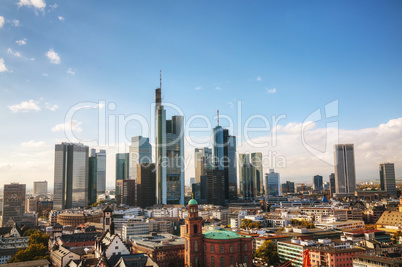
327 256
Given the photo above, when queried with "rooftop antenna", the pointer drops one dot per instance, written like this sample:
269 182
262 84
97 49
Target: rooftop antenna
160 79
218 117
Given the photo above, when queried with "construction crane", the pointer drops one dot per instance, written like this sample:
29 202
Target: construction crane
305 255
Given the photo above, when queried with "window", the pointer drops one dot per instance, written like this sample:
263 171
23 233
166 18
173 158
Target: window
196 245
195 228
222 262
239 248
239 259
245 247
231 248
186 228
212 261
232 260
205 248
222 249
196 261
212 248
245 259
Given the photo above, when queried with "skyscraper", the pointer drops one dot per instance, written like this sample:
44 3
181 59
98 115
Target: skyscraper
215 185
92 177
122 174
146 184
345 175
247 178
288 188
70 176
13 203
202 162
224 158
140 152
272 182
169 154
101 171
387 178
317 183
256 160
332 184
40 188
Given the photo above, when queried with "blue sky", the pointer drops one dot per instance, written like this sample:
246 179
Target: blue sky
275 57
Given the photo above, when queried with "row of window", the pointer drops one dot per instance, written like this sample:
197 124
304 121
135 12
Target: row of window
221 262
212 247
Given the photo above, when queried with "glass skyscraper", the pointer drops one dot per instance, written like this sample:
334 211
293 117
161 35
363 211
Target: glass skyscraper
101 171
70 176
387 178
169 154
13 203
345 175
272 183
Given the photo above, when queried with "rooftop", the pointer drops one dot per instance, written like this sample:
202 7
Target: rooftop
220 233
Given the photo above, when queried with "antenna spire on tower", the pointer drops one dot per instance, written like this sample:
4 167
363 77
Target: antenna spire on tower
160 79
218 117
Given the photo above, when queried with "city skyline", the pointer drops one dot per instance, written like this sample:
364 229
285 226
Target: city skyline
276 60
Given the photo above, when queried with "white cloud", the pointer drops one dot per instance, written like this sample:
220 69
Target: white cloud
33 144
51 107
15 22
32 59
53 56
38 4
198 88
271 91
259 78
1 22
45 74
22 42
3 67
14 53
25 106
70 71
61 18
73 125
218 88
53 7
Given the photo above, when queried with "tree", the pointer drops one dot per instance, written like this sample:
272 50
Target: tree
268 253
245 223
254 225
31 253
29 232
38 237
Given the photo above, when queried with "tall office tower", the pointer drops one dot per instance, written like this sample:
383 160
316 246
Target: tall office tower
387 178
70 176
122 173
92 177
101 171
272 182
256 160
140 152
345 175
215 186
224 158
288 188
13 203
246 179
332 184
317 183
202 162
169 154
40 188
146 184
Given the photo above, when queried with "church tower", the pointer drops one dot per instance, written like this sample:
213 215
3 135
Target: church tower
107 220
194 245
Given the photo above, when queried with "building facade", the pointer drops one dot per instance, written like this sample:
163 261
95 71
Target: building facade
169 153
70 176
146 185
272 182
387 178
13 203
317 183
40 188
345 174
